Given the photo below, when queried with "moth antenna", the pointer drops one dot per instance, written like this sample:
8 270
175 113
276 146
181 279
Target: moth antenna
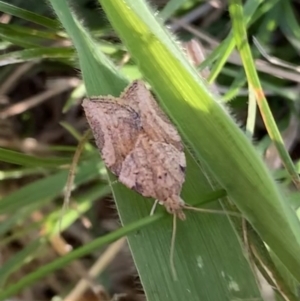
212 211
173 269
154 207
71 176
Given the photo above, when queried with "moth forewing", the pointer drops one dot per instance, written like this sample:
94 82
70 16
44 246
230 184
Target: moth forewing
153 169
155 122
115 127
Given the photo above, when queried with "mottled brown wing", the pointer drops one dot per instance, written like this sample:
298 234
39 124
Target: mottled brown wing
154 169
115 127
154 121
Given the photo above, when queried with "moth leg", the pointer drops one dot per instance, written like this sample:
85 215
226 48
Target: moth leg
114 182
154 207
175 205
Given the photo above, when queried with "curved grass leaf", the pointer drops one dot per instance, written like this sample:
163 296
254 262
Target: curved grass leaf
87 249
28 15
256 89
48 188
14 157
50 227
26 55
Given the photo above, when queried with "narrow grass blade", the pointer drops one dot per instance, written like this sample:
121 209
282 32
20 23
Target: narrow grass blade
48 188
33 54
240 35
87 249
14 157
28 15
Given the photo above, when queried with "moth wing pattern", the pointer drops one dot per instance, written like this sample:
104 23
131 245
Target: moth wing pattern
115 127
154 169
139 144
155 122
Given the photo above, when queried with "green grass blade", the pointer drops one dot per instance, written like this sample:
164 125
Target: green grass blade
15 262
226 47
28 15
83 204
64 53
50 227
289 24
39 35
252 12
15 38
255 86
22 172
170 8
48 188
14 157
250 125
238 82
87 249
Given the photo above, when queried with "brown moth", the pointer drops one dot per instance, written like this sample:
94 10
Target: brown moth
155 123
139 144
115 127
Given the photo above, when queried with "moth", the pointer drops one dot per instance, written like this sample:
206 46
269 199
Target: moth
139 144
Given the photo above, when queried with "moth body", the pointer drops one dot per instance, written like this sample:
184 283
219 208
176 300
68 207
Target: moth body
139 144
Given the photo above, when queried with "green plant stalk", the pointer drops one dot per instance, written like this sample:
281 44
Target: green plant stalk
250 124
240 35
27 160
219 143
288 23
66 54
227 46
253 11
47 188
28 15
50 228
87 249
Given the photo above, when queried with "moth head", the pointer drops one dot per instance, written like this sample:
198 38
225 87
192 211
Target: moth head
174 205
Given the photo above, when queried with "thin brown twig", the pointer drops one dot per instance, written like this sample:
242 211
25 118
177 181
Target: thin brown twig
12 79
103 261
38 98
